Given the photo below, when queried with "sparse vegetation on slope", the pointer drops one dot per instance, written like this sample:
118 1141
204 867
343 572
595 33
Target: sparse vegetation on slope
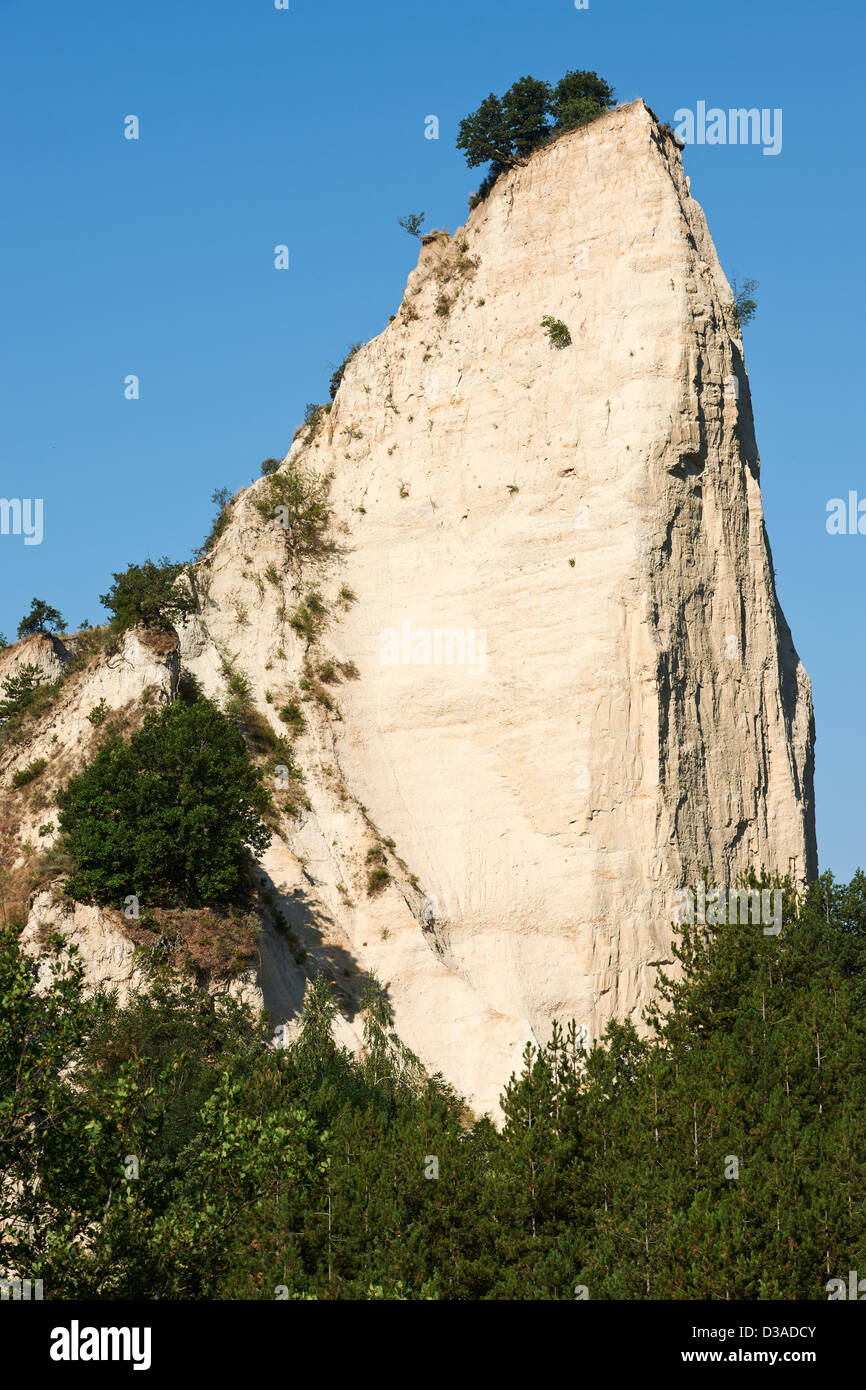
296 500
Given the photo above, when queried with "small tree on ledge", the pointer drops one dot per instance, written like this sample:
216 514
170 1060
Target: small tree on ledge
413 223
41 618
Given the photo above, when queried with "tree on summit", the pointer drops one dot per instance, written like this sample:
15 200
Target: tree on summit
504 131
41 618
579 97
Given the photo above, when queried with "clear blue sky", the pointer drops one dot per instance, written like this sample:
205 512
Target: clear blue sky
306 127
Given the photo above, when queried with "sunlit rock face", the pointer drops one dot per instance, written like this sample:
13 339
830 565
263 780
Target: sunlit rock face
571 685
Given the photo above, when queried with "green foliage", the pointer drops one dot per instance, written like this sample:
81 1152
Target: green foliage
149 595
557 332
309 617
292 714
377 882
525 108
504 131
19 690
172 816
296 500
412 224
239 691
4 642
579 97
485 187
29 773
337 376
744 306
222 499
307 1170
270 466
378 876
26 695
99 714
41 618
484 136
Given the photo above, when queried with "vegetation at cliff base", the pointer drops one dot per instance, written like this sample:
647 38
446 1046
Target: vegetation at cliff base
175 1154
173 815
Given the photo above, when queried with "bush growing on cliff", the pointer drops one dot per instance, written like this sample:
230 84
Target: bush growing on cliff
29 773
413 224
557 332
337 377
744 306
296 500
222 499
172 816
149 595
18 691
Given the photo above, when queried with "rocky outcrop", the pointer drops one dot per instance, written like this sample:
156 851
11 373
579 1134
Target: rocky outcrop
560 681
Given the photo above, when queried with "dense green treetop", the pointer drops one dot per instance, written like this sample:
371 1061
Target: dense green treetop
718 1155
172 815
505 130
41 618
148 594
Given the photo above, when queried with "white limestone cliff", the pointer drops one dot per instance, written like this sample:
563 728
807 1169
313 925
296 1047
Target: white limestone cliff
575 687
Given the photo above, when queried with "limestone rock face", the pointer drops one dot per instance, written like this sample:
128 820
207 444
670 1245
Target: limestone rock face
566 681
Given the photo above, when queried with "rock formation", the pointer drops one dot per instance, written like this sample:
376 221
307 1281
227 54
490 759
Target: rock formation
564 684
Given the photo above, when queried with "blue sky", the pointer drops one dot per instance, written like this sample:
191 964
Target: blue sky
306 127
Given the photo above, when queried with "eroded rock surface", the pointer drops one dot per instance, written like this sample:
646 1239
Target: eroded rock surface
575 687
